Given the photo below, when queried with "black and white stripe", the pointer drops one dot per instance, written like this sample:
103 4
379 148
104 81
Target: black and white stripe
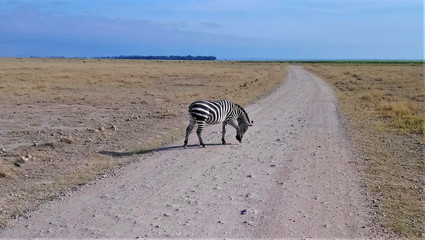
214 112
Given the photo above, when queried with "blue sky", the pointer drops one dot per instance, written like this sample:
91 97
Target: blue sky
227 29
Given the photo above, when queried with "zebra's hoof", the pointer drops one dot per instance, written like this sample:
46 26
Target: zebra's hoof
203 145
184 146
223 142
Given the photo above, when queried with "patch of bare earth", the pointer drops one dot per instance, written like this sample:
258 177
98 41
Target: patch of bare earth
63 121
385 108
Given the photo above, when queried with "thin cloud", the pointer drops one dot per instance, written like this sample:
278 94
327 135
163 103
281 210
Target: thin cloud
211 25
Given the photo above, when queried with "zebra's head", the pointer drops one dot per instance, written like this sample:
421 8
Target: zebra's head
243 124
243 127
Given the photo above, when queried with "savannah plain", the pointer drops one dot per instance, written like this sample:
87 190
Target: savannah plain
67 122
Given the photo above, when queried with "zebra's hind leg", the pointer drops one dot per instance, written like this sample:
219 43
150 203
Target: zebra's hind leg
199 131
223 133
188 130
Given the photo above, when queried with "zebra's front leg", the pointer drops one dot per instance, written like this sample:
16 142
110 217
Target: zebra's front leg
199 131
188 130
238 132
223 133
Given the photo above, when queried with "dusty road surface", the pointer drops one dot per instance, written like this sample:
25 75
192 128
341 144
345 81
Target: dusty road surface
294 175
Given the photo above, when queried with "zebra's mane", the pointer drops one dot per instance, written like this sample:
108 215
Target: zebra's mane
243 110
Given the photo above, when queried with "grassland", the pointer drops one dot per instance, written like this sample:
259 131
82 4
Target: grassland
384 105
65 122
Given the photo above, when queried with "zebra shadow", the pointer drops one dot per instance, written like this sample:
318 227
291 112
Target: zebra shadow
161 149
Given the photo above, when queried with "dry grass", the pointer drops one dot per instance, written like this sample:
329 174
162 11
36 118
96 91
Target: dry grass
79 118
385 108
67 81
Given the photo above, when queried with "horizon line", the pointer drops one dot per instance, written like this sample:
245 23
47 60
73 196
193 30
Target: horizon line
248 59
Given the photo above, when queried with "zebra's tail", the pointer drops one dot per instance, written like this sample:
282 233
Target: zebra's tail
189 110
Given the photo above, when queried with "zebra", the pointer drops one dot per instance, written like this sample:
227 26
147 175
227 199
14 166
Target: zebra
214 112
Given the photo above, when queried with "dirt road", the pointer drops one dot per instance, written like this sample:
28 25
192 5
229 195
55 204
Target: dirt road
294 175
